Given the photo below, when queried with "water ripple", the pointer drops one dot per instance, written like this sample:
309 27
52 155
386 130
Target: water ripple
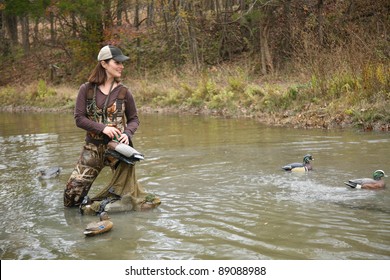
223 193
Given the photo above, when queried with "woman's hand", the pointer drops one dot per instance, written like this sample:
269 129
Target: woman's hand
112 132
124 139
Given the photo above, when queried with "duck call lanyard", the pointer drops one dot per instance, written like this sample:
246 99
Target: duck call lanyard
105 103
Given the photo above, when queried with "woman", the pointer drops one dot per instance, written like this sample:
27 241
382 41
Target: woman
105 108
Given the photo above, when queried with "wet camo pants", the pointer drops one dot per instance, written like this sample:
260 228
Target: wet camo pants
92 160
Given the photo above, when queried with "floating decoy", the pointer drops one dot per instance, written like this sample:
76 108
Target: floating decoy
123 204
150 202
377 182
95 228
49 172
300 167
128 203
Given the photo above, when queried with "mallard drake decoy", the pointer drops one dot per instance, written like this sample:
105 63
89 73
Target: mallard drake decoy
102 226
376 182
300 167
150 202
49 172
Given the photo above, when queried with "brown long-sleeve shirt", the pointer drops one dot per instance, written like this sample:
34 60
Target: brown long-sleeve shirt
80 113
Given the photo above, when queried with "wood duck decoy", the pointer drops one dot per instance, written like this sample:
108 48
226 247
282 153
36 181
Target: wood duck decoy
95 228
377 182
49 172
300 167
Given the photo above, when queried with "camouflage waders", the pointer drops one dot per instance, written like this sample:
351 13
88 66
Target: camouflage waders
93 159
91 162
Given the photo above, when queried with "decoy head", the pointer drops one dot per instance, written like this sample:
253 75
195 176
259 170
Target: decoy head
150 197
378 174
104 216
307 158
84 204
86 200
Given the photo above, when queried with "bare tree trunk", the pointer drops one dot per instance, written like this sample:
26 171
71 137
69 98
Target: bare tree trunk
136 14
165 14
74 25
262 53
193 45
267 50
1 27
150 20
5 48
192 40
209 5
227 5
320 7
119 12
35 41
289 30
265 54
24 22
223 48
180 39
243 6
12 28
137 23
126 6
52 29
218 10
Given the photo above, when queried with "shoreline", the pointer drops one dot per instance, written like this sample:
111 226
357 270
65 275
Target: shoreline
311 119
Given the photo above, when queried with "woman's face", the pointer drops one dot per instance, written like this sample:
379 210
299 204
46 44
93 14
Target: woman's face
113 68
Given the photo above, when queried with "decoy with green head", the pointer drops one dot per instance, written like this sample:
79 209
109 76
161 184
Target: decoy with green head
376 182
300 167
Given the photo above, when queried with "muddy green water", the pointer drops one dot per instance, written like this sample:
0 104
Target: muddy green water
223 193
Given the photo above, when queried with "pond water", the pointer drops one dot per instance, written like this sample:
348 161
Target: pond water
223 192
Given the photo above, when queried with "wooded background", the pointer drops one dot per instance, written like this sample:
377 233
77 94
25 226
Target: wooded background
271 35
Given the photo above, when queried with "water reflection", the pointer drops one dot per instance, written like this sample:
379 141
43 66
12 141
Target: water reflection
224 195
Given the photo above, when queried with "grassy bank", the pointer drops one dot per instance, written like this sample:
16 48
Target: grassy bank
340 100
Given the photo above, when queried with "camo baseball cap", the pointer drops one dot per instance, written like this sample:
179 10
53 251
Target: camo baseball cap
108 52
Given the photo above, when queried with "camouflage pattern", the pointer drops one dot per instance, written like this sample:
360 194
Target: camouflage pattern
115 114
93 157
92 160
